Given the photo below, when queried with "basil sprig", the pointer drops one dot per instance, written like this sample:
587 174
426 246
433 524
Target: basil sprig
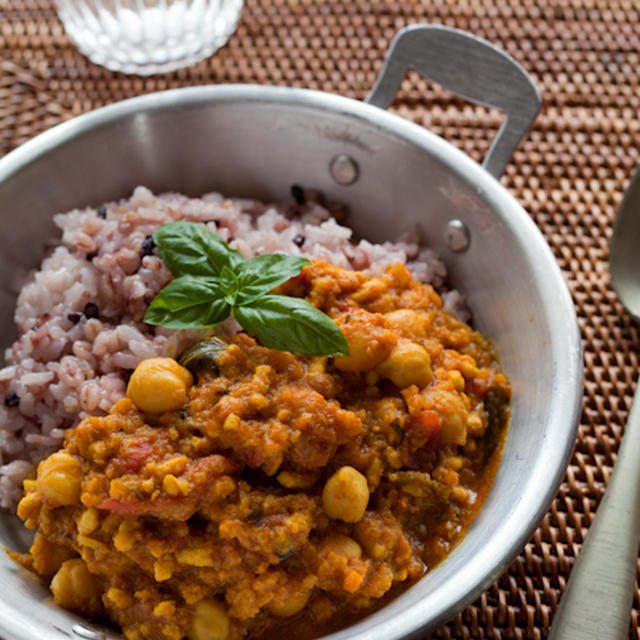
211 280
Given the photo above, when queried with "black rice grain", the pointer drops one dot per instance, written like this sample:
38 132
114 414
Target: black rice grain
11 399
91 310
148 245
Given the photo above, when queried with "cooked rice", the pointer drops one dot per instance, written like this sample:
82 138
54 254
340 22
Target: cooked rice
66 364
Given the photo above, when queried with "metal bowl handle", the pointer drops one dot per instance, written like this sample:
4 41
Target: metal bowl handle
470 67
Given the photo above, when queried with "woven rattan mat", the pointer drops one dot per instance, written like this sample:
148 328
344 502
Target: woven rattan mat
569 174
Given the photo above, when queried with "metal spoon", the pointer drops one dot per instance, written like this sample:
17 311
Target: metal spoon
597 599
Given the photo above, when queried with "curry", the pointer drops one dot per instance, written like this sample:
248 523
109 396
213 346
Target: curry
267 493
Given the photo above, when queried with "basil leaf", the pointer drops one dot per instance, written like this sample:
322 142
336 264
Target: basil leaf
188 302
229 285
292 324
211 278
261 274
191 249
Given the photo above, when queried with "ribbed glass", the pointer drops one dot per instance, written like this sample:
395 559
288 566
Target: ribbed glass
148 36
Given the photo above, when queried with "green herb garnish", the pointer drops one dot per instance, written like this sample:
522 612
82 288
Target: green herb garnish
212 279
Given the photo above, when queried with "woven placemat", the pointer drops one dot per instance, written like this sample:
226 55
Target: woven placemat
570 174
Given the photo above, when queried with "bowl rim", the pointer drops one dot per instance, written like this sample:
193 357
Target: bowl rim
400 618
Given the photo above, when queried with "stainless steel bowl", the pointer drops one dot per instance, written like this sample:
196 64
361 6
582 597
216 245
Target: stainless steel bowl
256 141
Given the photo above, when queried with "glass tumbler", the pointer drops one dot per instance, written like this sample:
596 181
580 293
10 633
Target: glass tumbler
148 36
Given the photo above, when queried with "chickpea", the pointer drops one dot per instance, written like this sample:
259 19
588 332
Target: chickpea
407 364
369 340
453 414
409 322
343 546
159 384
88 522
48 556
210 621
454 430
75 588
295 602
59 479
346 495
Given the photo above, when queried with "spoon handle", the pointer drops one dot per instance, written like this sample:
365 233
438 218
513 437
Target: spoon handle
597 600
